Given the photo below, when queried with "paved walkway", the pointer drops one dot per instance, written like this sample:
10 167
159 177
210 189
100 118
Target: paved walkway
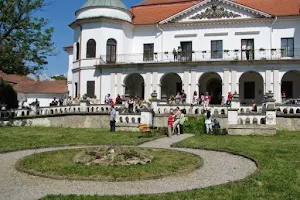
218 168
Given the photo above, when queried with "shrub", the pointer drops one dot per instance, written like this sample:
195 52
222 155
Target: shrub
195 125
8 95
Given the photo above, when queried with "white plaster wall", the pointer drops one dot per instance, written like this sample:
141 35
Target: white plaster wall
70 74
286 28
44 99
231 41
90 75
145 35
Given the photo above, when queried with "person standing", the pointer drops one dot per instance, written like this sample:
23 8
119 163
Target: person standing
182 120
170 123
183 97
208 122
176 117
112 117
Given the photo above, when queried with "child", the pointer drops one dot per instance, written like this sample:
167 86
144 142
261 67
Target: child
170 123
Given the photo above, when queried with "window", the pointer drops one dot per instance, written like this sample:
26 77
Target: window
287 46
216 49
91 49
148 52
187 51
76 90
247 49
77 50
249 90
90 89
111 51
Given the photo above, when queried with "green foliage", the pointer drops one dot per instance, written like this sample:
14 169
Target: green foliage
195 125
16 138
59 77
25 39
8 96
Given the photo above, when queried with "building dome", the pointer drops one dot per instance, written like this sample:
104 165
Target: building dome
114 9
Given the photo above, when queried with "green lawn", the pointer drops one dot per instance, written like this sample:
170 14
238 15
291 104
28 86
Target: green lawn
277 179
59 164
16 138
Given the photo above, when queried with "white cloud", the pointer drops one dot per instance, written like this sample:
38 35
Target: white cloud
42 77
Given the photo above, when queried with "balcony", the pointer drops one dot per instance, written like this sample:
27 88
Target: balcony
200 56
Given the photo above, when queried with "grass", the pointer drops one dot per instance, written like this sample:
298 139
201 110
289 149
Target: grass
17 138
59 164
278 177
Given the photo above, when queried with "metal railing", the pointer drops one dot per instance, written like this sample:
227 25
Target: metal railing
198 56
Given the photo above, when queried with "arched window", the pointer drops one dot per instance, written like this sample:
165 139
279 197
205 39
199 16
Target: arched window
111 51
91 49
77 50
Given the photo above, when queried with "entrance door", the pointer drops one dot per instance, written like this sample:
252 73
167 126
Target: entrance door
287 88
214 87
186 51
247 49
178 87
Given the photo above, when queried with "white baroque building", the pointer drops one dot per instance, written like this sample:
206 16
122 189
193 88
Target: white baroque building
244 46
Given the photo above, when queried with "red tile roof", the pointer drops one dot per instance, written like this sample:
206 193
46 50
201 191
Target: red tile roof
42 87
26 85
154 11
13 78
274 7
153 14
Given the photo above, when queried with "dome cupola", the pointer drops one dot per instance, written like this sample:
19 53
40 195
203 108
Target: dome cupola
114 9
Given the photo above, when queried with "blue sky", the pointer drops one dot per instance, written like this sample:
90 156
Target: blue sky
61 13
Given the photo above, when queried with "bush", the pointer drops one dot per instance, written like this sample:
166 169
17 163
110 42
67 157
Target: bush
8 95
195 125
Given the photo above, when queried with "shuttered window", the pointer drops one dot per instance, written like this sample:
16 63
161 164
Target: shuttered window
148 52
91 49
90 89
216 49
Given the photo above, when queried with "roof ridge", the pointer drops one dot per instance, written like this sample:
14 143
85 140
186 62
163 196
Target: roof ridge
162 3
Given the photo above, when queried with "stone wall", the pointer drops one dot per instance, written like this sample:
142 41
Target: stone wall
66 121
289 123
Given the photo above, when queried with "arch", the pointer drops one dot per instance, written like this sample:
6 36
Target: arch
255 121
291 111
211 82
135 85
91 48
251 87
77 50
290 83
111 51
240 121
171 83
263 121
247 121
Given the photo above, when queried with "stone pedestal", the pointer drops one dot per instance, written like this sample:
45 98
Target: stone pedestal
147 117
270 109
83 106
234 109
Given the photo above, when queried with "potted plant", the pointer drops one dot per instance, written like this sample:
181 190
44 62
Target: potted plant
262 49
203 51
236 50
226 51
166 52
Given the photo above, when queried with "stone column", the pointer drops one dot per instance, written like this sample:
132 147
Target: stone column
148 86
225 83
277 86
234 82
186 85
233 110
83 104
269 80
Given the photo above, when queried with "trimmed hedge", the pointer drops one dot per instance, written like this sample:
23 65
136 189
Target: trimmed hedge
195 125
8 95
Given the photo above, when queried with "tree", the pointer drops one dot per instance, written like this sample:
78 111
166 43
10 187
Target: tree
59 77
8 96
25 39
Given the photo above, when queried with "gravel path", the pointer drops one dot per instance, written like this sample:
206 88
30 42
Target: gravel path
218 168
